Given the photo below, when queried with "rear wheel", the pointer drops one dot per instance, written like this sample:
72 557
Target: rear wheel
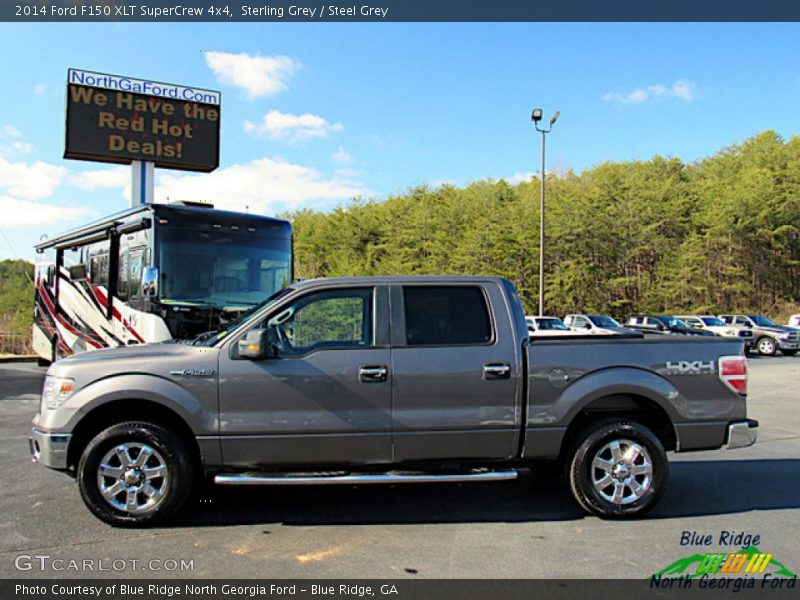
135 474
618 469
766 346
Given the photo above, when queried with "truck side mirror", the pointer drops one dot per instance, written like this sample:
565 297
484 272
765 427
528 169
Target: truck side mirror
150 282
256 345
587 326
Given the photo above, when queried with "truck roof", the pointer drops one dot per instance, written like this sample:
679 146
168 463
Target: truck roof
386 279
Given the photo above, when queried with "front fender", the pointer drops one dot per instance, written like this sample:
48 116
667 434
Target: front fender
197 408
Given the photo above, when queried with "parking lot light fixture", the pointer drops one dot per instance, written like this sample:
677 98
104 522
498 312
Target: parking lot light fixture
536 117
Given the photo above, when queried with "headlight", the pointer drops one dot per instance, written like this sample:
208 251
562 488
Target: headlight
56 391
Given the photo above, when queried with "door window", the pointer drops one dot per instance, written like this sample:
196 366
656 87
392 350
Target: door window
581 323
332 319
446 315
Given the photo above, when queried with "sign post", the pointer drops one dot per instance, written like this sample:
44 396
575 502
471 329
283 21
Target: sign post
142 182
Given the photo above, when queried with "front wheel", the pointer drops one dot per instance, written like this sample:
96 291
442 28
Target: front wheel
135 474
618 469
766 346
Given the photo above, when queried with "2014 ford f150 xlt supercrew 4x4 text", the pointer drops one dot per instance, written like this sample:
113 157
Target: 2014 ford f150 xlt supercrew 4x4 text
386 379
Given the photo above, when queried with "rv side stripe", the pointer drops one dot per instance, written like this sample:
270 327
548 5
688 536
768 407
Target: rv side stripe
103 299
60 319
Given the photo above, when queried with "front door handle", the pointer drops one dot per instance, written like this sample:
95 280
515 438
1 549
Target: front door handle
496 371
368 374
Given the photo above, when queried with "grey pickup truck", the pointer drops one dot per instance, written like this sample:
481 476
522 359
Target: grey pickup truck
386 380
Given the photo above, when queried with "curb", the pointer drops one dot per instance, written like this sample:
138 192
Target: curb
24 358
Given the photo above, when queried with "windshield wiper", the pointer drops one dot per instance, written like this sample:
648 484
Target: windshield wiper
197 340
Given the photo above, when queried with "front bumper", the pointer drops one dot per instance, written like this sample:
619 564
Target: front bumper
787 345
50 449
742 434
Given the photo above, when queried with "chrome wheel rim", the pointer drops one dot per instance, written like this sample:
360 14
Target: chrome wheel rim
622 471
133 477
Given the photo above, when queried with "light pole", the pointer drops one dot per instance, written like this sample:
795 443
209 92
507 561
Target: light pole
536 116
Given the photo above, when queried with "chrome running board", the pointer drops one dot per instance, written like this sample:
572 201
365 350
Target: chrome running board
361 479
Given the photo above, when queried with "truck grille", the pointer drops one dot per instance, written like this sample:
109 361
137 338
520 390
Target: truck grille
794 336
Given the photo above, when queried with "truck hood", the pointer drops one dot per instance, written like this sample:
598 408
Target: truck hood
778 330
158 358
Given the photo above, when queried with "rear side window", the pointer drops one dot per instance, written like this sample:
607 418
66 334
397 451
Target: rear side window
446 315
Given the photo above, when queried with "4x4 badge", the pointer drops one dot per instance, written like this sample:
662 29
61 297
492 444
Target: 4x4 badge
690 367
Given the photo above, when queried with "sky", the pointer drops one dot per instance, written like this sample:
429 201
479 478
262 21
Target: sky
314 114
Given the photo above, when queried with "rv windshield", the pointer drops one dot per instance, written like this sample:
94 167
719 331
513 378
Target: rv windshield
223 269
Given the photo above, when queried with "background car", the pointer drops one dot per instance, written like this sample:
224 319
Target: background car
548 326
665 324
769 336
596 325
794 321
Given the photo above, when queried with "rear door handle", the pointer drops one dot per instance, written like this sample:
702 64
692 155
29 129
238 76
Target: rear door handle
496 371
368 374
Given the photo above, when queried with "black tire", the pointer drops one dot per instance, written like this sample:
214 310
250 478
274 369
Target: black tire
788 352
593 442
174 487
766 346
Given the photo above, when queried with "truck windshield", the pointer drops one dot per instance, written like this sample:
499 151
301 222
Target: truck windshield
221 269
762 321
212 337
603 321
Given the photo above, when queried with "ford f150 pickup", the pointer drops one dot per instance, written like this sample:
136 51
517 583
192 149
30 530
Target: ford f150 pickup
386 379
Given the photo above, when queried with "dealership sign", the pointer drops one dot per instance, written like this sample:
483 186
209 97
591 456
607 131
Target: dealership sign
121 119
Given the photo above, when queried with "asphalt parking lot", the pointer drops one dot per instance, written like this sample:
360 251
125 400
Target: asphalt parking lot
522 529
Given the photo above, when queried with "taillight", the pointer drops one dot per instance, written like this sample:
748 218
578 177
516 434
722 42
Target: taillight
733 373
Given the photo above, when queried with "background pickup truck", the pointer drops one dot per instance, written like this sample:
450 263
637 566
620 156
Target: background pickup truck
386 379
769 336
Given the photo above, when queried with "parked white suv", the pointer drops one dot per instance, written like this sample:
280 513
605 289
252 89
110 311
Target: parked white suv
548 326
596 325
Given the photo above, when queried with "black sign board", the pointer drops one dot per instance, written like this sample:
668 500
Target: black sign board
120 125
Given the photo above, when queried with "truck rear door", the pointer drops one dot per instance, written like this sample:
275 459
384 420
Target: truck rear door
455 372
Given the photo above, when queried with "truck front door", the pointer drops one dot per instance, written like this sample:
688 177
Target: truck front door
326 398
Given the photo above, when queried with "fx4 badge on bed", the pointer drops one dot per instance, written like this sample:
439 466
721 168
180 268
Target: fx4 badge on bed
690 367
